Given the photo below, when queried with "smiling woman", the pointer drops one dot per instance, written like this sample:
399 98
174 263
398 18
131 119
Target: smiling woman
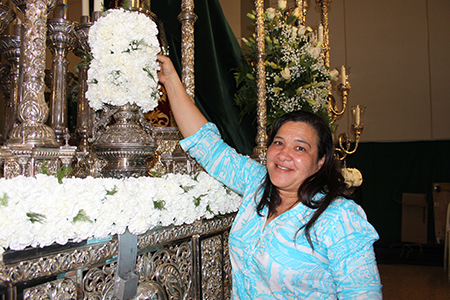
296 235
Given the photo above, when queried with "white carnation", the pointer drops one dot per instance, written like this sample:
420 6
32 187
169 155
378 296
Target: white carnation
123 70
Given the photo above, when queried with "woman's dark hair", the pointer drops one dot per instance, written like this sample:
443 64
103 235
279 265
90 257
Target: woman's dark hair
328 179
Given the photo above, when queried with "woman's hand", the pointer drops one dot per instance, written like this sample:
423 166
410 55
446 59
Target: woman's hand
167 71
189 119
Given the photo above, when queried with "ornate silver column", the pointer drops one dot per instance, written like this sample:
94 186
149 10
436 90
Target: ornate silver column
10 48
60 40
33 110
259 152
7 47
5 87
85 114
187 17
32 143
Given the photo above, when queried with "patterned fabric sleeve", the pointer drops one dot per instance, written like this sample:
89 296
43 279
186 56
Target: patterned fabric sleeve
351 256
221 161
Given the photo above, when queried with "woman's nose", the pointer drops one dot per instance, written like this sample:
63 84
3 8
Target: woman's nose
284 154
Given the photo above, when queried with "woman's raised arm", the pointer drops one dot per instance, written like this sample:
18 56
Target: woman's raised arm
189 119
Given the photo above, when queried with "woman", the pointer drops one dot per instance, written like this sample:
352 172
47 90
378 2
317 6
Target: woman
295 235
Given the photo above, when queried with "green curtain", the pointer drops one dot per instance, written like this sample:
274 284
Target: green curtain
391 169
217 52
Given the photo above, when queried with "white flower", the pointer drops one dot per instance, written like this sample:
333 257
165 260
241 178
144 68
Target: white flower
282 4
334 75
43 211
352 176
301 30
270 13
297 12
124 68
286 73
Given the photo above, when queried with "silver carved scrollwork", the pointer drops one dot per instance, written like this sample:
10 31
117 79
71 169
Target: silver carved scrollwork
167 271
5 87
169 157
64 288
212 258
164 265
98 283
166 139
10 49
126 143
7 15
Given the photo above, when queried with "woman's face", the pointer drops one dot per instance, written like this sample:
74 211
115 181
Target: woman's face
292 156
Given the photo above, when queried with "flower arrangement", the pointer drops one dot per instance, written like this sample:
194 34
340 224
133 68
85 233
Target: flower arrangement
44 210
123 68
352 176
296 76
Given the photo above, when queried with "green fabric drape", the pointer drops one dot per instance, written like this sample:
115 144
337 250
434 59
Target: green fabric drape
391 169
217 52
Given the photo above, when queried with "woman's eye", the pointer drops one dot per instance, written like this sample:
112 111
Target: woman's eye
298 148
277 143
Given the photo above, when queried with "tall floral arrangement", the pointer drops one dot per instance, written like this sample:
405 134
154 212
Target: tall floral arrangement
296 75
123 68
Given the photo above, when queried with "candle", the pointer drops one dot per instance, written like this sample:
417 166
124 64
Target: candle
85 7
320 33
358 112
343 76
98 5
357 115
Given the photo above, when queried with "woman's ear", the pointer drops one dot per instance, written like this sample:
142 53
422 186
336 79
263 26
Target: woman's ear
320 163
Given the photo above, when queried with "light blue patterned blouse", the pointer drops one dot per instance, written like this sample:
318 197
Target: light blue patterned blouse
276 261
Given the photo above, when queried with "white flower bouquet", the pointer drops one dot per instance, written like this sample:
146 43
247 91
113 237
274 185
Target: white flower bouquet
123 68
352 176
39 211
296 76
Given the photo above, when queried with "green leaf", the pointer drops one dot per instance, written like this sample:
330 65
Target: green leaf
35 217
156 174
82 217
63 172
4 200
198 199
44 168
147 70
187 188
111 192
159 205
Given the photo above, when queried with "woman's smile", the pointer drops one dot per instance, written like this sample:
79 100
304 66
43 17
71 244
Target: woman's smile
292 157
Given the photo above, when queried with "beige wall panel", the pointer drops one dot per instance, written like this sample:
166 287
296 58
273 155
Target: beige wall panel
246 28
336 18
439 32
232 12
388 56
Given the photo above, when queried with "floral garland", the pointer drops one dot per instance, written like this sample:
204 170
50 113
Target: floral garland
352 176
123 68
296 75
43 210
